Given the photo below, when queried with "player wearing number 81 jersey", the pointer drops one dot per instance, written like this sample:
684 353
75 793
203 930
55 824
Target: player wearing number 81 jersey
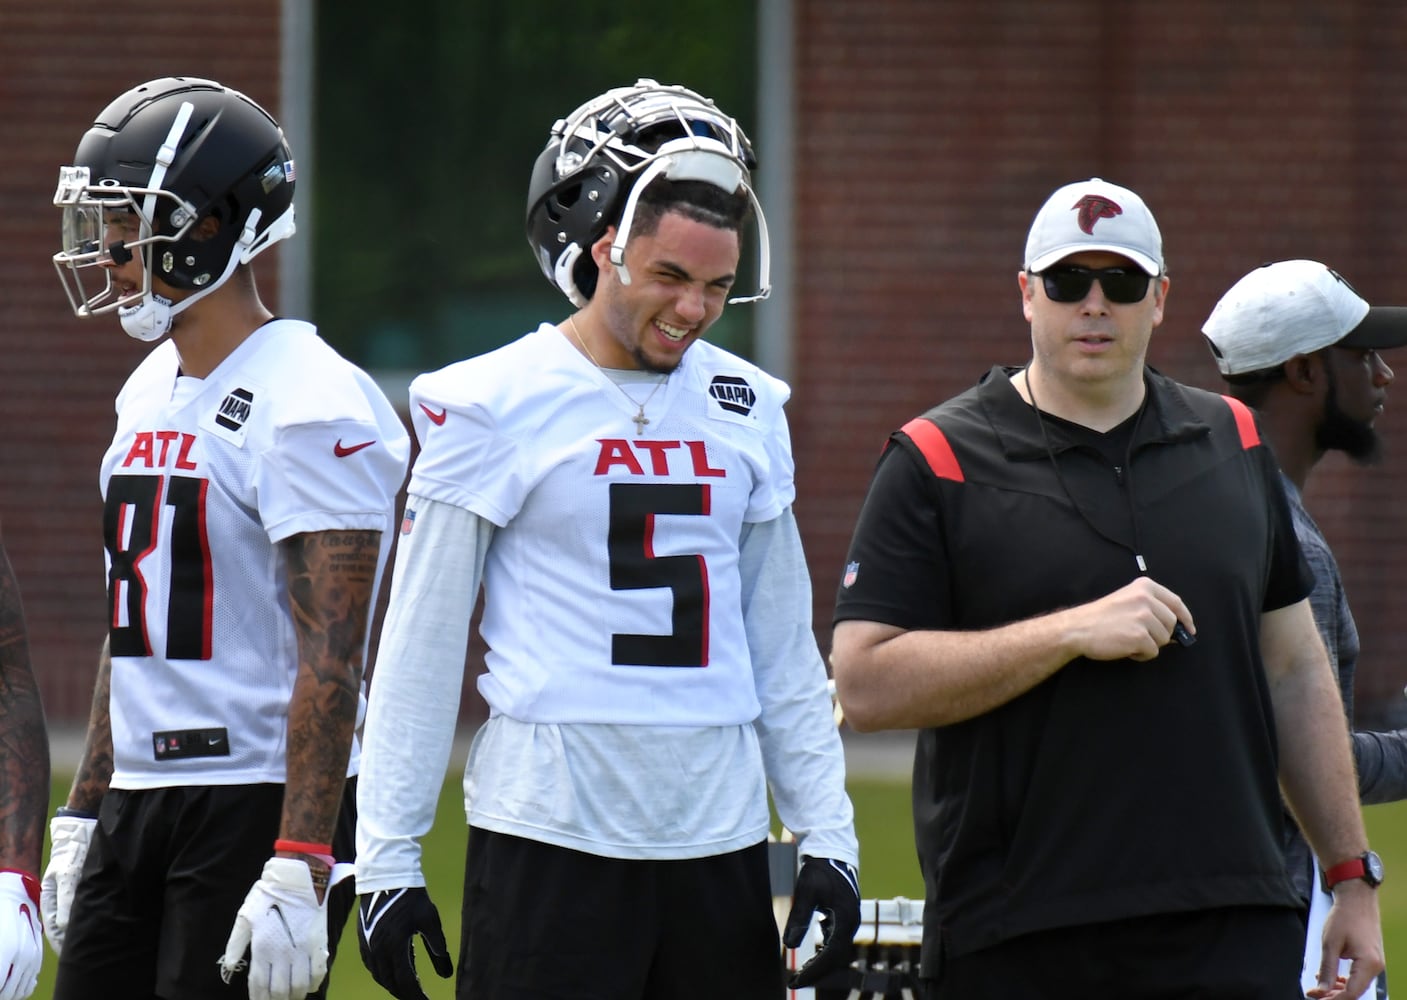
248 496
202 480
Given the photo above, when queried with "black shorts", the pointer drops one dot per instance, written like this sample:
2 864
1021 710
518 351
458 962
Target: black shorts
547 922
1235 953
167 871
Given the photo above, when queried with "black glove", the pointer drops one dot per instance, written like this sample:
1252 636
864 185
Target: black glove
830 888
387 923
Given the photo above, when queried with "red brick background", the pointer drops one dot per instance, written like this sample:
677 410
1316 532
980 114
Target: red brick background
928 133
61 62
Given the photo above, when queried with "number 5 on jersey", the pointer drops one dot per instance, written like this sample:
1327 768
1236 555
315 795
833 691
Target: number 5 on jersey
634 566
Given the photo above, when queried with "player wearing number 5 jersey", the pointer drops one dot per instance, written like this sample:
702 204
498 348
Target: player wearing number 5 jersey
622 490
248 496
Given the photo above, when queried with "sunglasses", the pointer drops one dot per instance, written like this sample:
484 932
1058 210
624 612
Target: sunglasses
1068 283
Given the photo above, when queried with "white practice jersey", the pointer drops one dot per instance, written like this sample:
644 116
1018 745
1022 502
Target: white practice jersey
203 479
652 669
614 593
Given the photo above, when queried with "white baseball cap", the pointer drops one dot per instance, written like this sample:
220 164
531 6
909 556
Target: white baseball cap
1094 215
1295 307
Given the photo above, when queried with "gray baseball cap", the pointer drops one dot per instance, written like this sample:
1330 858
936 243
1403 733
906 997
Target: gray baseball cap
1295 307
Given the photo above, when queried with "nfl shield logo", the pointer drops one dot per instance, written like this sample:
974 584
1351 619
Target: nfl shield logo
852 571
408 521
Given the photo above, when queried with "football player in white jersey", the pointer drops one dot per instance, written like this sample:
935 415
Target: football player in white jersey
249 492
622 490
24 790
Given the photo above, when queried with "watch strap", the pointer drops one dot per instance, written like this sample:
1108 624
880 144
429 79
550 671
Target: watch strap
1353 868
1345 870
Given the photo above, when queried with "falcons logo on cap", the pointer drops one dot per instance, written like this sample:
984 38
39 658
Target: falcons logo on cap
1092 208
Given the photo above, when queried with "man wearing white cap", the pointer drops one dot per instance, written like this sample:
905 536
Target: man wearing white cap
1297 343
1080 580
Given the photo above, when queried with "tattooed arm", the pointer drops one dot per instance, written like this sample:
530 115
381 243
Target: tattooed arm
95 769
282 924
24 743
330 582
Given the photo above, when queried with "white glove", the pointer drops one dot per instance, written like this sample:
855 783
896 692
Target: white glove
69 837
21 939
284 928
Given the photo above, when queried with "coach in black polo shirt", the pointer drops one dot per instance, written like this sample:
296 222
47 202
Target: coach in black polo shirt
1080 580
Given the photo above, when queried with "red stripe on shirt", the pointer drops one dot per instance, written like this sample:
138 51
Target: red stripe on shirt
935 448
1245 422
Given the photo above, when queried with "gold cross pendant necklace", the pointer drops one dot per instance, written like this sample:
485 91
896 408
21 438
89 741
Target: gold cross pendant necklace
640 420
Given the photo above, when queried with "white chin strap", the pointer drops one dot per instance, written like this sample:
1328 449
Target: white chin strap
566 281
693 164
150 319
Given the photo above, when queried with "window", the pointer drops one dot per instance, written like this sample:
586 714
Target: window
424 148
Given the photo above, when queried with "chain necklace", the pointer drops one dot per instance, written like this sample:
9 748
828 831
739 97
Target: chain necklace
639 419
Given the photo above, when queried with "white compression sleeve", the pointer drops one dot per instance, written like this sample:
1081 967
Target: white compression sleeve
801 747
415 689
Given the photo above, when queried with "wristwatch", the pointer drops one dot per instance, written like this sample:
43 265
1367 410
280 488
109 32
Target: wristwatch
1367 866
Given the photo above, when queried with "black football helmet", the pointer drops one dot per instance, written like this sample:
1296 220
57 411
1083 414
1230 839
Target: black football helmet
605 153
159 161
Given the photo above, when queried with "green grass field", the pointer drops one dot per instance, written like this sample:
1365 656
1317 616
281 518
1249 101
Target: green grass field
887 868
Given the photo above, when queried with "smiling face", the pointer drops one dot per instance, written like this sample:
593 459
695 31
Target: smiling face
1093 348
680 276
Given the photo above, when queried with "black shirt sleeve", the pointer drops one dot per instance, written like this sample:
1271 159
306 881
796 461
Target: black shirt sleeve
896 571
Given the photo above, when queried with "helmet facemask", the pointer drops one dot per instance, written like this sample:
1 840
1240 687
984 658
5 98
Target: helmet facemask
602 157
105 225
204 149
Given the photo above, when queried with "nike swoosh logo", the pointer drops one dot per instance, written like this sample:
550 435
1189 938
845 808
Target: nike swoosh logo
435 418
274 909
374 907
343 451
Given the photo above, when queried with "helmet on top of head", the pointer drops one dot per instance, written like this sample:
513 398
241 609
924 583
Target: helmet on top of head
601 157
188 175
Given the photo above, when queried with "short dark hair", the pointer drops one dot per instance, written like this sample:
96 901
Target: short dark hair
697 200
1251 388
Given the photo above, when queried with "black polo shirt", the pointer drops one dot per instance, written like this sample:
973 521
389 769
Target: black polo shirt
1112 789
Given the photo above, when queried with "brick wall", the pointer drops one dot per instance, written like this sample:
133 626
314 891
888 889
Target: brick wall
61 62
930 131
